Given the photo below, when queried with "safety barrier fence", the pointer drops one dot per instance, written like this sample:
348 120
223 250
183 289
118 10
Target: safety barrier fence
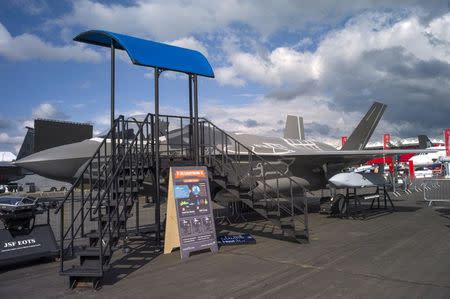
436 190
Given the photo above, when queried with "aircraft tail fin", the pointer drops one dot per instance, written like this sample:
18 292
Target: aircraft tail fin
361 135
424 142
27 147
294 127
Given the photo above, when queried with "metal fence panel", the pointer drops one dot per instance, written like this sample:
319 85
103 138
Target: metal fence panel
436 190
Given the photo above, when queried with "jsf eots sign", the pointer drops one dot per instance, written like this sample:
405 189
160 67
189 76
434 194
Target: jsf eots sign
190 221
19 244
386 141
447 141
40 242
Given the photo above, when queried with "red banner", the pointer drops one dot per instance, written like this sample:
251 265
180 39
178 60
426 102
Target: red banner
411 170
386 141
447 141
343 140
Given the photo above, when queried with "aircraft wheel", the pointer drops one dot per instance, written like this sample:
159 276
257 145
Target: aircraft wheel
343 203
339 205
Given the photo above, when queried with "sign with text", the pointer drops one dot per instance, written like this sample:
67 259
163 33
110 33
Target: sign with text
447 141
190 221
386 141
40 242
243 239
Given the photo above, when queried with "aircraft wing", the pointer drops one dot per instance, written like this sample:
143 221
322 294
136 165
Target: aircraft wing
354 156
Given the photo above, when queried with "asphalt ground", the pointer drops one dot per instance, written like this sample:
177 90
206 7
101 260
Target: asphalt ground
400 254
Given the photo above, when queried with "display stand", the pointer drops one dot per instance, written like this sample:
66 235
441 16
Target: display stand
190 221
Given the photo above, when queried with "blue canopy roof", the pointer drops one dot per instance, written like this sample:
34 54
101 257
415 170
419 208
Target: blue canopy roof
150 53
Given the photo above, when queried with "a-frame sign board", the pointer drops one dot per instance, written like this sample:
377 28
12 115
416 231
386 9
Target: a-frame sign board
189 220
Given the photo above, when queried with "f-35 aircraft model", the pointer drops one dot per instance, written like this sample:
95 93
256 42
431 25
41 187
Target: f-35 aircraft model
309 163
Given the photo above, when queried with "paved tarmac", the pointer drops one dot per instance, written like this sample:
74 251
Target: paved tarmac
404 254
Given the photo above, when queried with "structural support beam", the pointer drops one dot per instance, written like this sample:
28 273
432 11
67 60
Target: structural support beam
113 99
113 83
191 119
196 135
157 161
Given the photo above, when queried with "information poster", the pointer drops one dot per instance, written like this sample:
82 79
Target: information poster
189 190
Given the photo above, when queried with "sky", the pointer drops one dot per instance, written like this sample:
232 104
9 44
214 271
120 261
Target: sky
327 61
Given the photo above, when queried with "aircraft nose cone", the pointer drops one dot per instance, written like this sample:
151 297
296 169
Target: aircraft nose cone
61 162
340 179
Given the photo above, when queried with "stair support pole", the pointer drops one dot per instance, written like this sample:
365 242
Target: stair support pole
157 162
196 135
191 119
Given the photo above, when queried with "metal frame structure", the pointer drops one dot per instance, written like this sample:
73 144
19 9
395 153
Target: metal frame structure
140 52
436 189
108 185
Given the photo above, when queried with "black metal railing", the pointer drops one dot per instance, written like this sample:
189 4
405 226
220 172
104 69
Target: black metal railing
125 157
110 178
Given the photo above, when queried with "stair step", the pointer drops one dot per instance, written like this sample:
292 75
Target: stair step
127 189
95 234
115 203
232 186
260 204
245 196
92 252
80 271
113 218
287 226
273 214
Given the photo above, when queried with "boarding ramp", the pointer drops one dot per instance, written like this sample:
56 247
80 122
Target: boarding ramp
436 190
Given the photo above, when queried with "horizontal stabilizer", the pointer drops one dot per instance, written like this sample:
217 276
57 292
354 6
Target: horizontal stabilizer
361 135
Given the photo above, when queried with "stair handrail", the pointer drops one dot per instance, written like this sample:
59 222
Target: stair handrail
97 151
271 167
114 175
111 180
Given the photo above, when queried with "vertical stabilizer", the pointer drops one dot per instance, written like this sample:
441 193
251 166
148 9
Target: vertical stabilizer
27 147
361 135
294 128
424 142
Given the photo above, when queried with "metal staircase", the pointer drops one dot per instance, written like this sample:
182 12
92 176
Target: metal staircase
256 182
102 197
108 184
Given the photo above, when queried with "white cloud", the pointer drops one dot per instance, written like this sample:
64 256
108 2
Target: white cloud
48 111
190 43
6 138
28 46
32 7
174 19
266 116
284 65
396 59
228 76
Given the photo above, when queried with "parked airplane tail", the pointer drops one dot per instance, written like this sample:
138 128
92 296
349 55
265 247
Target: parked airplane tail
361 135
424 142
294 127
27 147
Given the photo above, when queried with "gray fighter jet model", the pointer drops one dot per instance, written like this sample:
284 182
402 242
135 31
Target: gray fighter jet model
308 162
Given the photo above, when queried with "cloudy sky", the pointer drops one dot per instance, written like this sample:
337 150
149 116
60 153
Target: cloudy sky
324 60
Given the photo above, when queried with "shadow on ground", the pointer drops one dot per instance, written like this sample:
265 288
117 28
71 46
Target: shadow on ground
260 228
142 252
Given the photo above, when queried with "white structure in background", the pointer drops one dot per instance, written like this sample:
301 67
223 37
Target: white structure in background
7 157
428 159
